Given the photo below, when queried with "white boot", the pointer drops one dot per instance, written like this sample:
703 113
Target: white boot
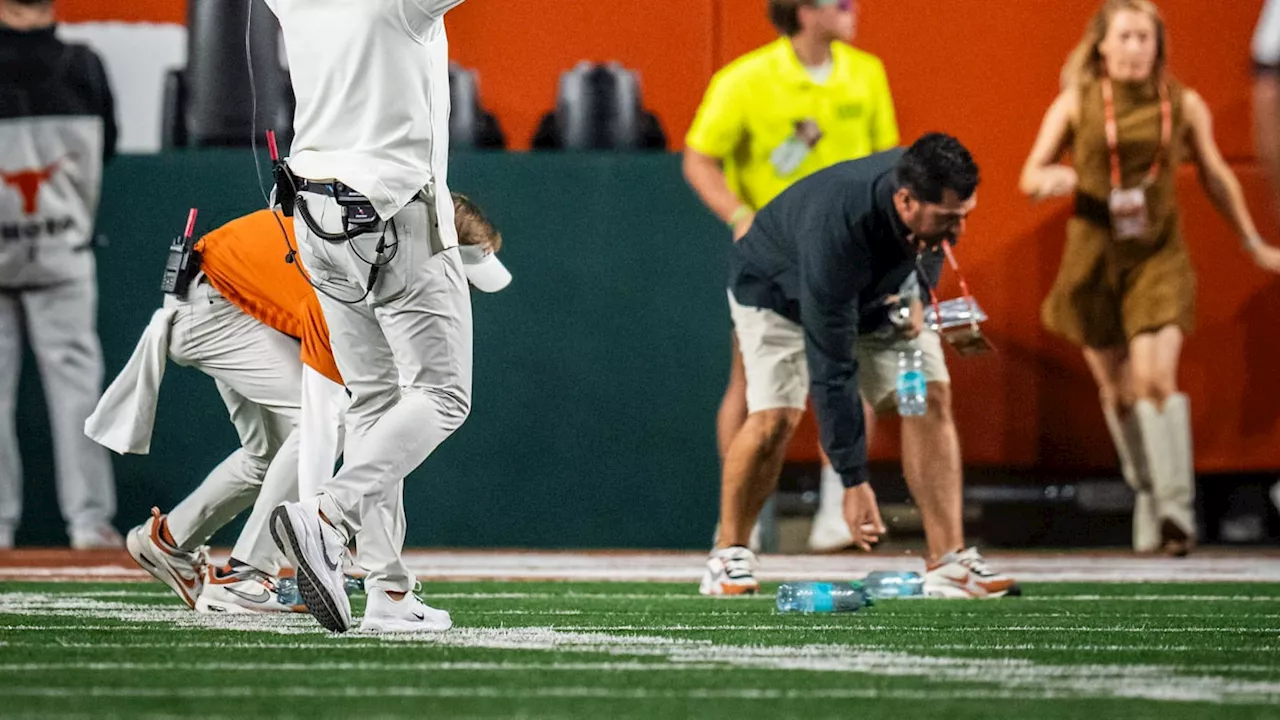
1133 466
1166 439
1175 503
830 533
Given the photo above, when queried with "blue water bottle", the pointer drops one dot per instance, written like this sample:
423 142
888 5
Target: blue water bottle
821 597
912 389
884 584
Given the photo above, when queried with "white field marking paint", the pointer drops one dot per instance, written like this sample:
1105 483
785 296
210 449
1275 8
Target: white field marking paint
514 693
763 597
431 566
1147 598
688 567
534 612
657 666
458 666
1153 682
852 628
347 644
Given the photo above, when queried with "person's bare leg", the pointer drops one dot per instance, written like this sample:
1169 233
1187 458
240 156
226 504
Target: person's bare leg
733 408
751 469
931 464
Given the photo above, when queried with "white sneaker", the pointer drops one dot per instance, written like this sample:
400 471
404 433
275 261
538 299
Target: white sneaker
241 591
829 532
730 571
315 548
181 570
966 574
99 537
408 614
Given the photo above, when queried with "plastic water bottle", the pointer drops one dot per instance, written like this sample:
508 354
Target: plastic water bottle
882 585
288 593
912 390
822 597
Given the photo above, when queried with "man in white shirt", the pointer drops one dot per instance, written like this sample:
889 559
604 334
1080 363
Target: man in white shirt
375 226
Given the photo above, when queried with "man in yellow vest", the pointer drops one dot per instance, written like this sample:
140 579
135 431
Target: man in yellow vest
804 102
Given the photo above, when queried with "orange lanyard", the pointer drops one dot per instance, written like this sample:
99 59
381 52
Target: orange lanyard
933 296
1113 139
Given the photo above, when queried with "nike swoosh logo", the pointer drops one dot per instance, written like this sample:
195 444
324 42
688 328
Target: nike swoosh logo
333 566
261 597
420 616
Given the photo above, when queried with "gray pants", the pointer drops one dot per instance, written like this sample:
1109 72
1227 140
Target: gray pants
61 323
405 354
258 374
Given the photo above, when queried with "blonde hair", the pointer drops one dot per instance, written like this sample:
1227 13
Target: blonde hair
473 227
1085 62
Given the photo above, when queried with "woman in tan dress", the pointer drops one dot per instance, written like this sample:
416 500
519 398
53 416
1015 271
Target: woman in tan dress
1125 291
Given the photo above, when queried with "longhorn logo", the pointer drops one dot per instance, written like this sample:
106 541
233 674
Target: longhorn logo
29 182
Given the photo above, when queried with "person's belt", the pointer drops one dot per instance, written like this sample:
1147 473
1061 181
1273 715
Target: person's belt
330 188
1093 210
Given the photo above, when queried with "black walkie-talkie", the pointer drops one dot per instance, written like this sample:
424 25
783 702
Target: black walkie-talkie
183 262
286 187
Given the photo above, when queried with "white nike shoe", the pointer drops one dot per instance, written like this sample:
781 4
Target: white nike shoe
965 574
315 549
181 570
409 614
730 571
239 591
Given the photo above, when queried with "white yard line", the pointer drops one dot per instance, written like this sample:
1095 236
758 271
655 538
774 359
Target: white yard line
517 693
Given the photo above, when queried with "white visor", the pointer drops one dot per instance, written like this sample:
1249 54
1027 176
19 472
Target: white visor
484 270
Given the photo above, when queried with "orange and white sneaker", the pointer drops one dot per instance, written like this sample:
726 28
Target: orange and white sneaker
182 570
965 574
730 571
240 589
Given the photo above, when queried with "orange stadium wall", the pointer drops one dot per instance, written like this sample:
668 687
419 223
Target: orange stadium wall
982 71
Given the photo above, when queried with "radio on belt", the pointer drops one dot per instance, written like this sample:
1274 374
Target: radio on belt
183 263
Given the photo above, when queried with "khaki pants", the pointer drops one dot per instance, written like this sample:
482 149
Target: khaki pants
773 356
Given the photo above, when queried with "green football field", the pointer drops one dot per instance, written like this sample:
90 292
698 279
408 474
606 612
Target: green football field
573 649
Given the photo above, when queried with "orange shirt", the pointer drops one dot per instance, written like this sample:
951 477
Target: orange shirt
245 262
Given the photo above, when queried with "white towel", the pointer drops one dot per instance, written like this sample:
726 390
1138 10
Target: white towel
321 431
126 413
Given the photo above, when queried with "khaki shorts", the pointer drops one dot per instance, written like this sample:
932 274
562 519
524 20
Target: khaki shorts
778 374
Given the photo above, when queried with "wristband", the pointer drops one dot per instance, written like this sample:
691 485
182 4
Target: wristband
739 215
